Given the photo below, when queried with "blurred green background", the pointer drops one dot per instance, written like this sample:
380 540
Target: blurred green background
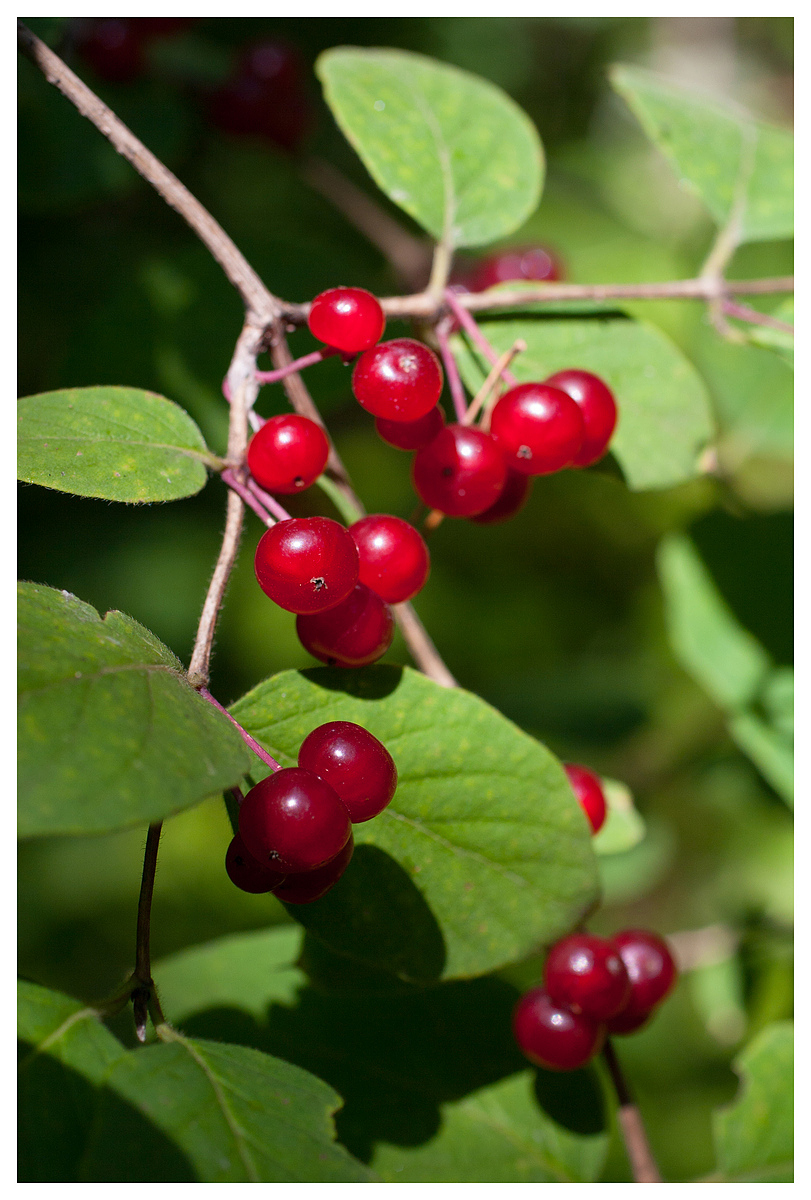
556 618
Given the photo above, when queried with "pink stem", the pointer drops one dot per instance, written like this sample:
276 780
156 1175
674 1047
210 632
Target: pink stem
309 360
452 371
744 313
273 506
472 329
230 478
246 737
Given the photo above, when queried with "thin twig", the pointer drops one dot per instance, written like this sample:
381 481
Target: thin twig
476 336
246 737
273 506
452 371
409 256
422 649
743 312
230 478
498 369
643 1164
308 360
256 297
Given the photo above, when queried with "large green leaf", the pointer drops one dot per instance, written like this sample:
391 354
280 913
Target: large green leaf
664 409
450 148
754 1136
729 159
110 732
482 855
183 1111
708 641
115 443
729 663
501 1134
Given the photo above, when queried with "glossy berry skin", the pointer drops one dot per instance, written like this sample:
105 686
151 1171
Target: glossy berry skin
538 428
293 821
461 472
519 262
411 435
399 380
590 795
353 762
553 1036
246 872
587 975
597 407
306 564
308 886
347 318
287 454
513 497
111 46
354 633
651 971
394 559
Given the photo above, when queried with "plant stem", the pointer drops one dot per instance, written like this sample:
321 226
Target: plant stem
471 328
422 649
143 966
246 737
643 1164
498 369
256 297
744 313
270 502
230 478
452 372
308 360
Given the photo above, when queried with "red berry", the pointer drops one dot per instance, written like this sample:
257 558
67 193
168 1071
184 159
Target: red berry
308 886
597 407
411 435
590 795
354 633
461 472
247 872
265 96
347 318
400 380
551 1035
538 428
519 262
293 821
111 47
512 499
288 453
353 762
652 973
306 564
394 559
587 975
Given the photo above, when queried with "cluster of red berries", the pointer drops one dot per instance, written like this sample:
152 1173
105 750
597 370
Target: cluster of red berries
295 827
532 263
265 96
115 46
592 987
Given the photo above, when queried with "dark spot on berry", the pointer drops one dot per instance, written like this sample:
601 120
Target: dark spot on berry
299 481
318 582
447 472
524 452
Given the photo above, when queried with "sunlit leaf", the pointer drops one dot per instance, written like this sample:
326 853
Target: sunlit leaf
754 1136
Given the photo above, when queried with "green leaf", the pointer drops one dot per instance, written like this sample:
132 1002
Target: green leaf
451 149
664 409
186 1111
482 854
730 160
624 827
754 1135
246 971
770 751
64 1056
110 732
708 641
114 443
235 1114
501 1134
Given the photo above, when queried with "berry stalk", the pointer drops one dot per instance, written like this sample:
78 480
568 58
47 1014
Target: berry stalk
472 329
298 364
229 477
452 372
246 737
640 1156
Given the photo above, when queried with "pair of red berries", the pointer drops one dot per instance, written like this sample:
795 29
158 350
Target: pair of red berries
340 582
592 987
295 827
265 96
